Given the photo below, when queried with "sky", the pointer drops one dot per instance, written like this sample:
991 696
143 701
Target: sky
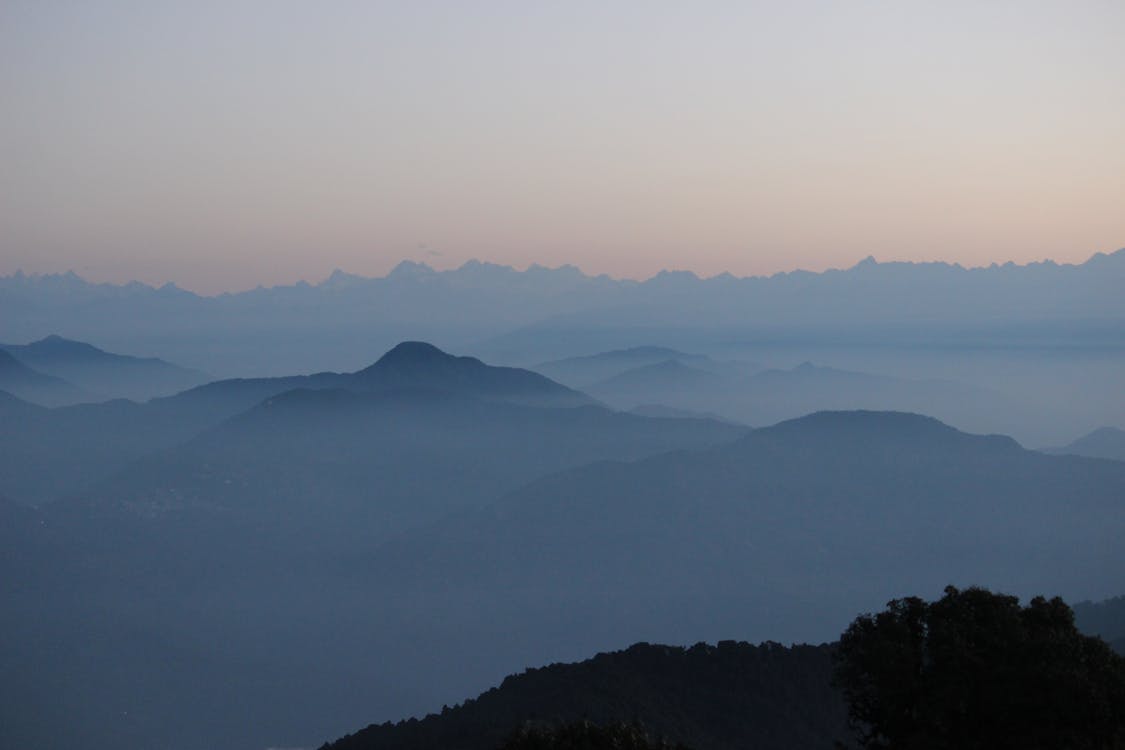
229 144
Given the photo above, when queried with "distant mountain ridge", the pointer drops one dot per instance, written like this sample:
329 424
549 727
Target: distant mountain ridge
102 372
1104 442
513 310
588 370
763 397
477 271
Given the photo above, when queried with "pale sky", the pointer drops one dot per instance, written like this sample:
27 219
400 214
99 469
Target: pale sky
222 145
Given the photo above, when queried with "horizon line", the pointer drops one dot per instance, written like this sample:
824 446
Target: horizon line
407 264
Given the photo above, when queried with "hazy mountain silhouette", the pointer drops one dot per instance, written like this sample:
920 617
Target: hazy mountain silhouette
351 467
772 395
408 364
31 385
885 303
580 372
50 453
733 695
668 412
99 371
419 364
1104 442
669 382
1041 341
838 506
99 440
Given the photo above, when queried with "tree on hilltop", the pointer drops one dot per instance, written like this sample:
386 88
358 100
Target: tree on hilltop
976 670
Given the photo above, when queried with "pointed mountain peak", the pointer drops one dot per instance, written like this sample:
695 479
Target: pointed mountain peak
339 279
409 269
475 269
868 262
667 276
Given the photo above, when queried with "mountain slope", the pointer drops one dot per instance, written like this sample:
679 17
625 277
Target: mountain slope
115 375
731 696
667 382
580 372
51 453
848 509
31 385
1104 442
364 465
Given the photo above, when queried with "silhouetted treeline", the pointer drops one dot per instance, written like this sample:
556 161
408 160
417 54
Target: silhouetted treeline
584 735
732 695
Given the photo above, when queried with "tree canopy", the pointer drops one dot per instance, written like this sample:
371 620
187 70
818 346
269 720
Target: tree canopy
976 670
583 735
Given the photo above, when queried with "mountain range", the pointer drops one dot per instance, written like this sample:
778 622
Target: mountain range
538 314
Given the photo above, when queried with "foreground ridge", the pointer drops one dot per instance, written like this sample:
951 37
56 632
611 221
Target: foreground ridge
728 695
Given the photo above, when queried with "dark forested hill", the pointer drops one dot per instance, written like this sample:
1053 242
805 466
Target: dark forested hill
733 695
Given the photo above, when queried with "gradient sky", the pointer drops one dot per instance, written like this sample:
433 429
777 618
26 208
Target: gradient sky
222 145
